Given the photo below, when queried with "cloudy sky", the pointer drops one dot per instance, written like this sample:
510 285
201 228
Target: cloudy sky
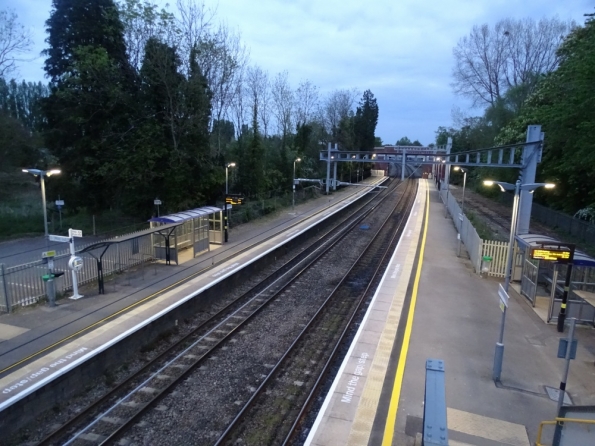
401 49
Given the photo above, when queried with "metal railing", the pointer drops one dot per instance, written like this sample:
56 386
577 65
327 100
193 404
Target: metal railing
561 422
22 285
475 245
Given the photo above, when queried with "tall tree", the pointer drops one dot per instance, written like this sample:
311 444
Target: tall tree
14 41
335 108
306 102
366 119
91 87
142 21
22 101
491 60
283 104
564 105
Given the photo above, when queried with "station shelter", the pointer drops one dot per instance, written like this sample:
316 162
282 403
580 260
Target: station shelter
542 281
192 230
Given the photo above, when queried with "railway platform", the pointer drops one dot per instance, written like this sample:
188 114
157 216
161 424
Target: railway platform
40 344
431 304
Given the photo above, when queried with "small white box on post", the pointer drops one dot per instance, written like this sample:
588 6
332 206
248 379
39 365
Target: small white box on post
75 263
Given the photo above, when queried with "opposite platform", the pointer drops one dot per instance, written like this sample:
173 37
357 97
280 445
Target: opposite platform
444 310
43 353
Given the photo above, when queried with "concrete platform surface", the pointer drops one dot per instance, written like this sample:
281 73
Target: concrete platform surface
457 319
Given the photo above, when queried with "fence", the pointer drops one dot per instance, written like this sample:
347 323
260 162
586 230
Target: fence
23 285
476 246
554 219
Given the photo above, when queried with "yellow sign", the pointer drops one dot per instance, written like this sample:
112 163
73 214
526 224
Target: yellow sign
46 254
234 199
550 254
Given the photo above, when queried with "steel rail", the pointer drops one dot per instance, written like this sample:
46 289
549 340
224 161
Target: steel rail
332 232
274 371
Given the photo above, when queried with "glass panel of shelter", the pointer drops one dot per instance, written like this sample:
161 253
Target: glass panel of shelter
582 278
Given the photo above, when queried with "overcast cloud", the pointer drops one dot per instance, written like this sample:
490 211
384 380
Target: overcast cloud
400 50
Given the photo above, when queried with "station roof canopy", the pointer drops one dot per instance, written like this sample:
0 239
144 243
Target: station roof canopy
181 217
531 240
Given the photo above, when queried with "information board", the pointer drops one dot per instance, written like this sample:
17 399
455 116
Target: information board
561 255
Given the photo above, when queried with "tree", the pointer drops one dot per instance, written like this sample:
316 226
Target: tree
366 119
336 108
14 40
306 102
514 52
141 22
88 110
564 105
283 104
22 101
404 141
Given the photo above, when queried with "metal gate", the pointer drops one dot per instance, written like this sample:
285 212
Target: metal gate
529 280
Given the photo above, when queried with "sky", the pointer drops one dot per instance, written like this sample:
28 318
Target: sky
400 50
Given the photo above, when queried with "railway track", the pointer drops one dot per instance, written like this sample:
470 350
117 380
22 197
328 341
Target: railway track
273 415
113 415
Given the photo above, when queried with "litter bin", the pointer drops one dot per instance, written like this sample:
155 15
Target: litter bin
50 286
486 263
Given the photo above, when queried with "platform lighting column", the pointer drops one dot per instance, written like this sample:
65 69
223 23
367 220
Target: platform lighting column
462 205
42 174
517 187
226 216
447 183
297 160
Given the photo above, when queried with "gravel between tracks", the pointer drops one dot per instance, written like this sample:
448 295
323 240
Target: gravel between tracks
207 400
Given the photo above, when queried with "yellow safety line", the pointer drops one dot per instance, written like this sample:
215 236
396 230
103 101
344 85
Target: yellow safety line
97 323
391 418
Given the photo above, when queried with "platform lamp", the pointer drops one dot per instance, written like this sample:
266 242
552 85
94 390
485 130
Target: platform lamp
458 168
517 187
297 160
42 174
227 166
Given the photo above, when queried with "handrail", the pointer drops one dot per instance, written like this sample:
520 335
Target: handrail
556 421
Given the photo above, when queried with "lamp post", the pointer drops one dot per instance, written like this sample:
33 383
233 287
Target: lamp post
297 160
227 166
43 173
447 183
462 217
517 187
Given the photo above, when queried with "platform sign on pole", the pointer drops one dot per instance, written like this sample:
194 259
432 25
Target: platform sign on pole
59 238
75 233
503 296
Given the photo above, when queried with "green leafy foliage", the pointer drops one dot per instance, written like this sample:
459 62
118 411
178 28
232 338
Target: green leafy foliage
564 104
365 121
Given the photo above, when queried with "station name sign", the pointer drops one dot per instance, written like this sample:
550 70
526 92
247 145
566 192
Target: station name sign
556 252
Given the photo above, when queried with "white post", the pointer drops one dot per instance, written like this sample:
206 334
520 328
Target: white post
328 168
403 159
75 288
45 212
335 170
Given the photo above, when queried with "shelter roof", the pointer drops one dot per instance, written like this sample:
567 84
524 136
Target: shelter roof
580 258
180 217
125 238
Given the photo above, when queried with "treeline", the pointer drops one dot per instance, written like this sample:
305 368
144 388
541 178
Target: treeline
533 72
144 103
